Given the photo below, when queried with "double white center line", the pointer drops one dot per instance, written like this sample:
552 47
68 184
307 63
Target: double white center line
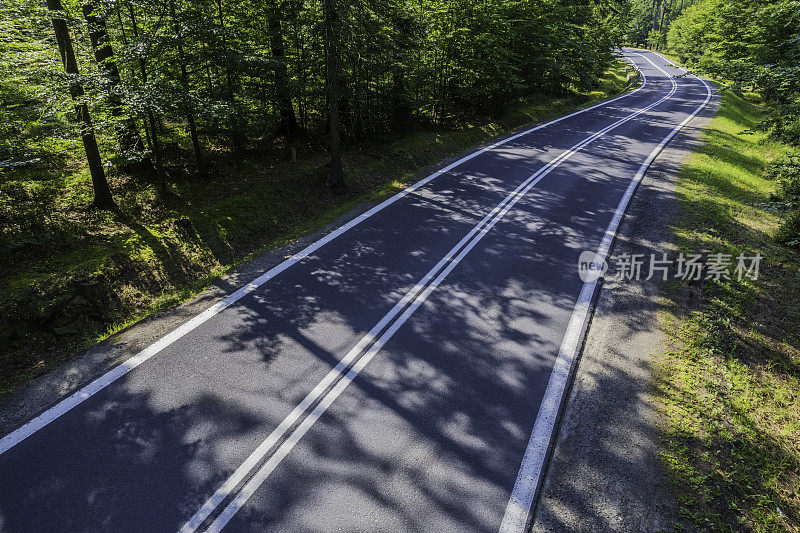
229 498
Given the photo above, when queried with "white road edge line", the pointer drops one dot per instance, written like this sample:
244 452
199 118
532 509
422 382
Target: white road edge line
86 392
417 295
519 508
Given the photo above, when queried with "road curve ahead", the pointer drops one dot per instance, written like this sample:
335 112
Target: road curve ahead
402 374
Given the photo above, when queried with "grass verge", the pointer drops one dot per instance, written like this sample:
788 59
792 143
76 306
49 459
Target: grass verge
71 277
729 388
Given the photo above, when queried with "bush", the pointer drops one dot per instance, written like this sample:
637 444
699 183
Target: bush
787 174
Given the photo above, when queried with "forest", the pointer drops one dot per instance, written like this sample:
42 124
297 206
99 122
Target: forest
224 73
751 46
149 145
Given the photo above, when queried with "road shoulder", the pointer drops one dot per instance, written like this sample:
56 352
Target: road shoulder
605 473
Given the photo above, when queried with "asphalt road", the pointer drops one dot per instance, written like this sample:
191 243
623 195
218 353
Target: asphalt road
388 378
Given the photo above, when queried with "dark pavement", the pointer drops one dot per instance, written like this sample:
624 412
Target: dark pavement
430 435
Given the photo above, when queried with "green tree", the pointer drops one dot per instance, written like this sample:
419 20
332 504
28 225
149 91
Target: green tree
102 194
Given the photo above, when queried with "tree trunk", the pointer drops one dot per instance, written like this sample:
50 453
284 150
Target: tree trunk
198 154
300 70
400 109
665 7
125 127
665 14
230 77
288 124
151 119
102 194
334 181
656 9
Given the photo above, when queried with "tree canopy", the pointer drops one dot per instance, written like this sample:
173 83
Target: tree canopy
220 72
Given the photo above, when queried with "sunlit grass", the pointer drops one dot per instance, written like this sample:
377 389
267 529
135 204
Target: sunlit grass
730 387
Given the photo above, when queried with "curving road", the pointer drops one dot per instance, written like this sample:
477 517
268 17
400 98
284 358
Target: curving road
402 374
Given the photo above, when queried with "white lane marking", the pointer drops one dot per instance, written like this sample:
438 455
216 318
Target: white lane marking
241 472
86 392
518 510
416 296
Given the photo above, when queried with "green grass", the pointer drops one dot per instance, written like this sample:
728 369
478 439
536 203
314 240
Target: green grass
70 277
730 386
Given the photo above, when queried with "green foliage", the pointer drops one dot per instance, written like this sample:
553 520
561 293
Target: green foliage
210 66
182 74
755 45
786 174
750 43
648 20
640 22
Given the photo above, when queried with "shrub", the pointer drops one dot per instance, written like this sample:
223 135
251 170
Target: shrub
787 174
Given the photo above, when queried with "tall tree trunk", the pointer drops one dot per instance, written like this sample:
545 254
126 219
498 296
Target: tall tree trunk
198 154
230 78
300 70
288 124
125 42
656 17
102 194
151 119
665 14
656 9
400 109
127 136
335 180
665 7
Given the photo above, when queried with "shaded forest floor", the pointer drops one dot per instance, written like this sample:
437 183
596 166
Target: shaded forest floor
730 385
70 277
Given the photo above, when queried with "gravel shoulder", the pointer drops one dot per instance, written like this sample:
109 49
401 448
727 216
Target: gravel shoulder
605 473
